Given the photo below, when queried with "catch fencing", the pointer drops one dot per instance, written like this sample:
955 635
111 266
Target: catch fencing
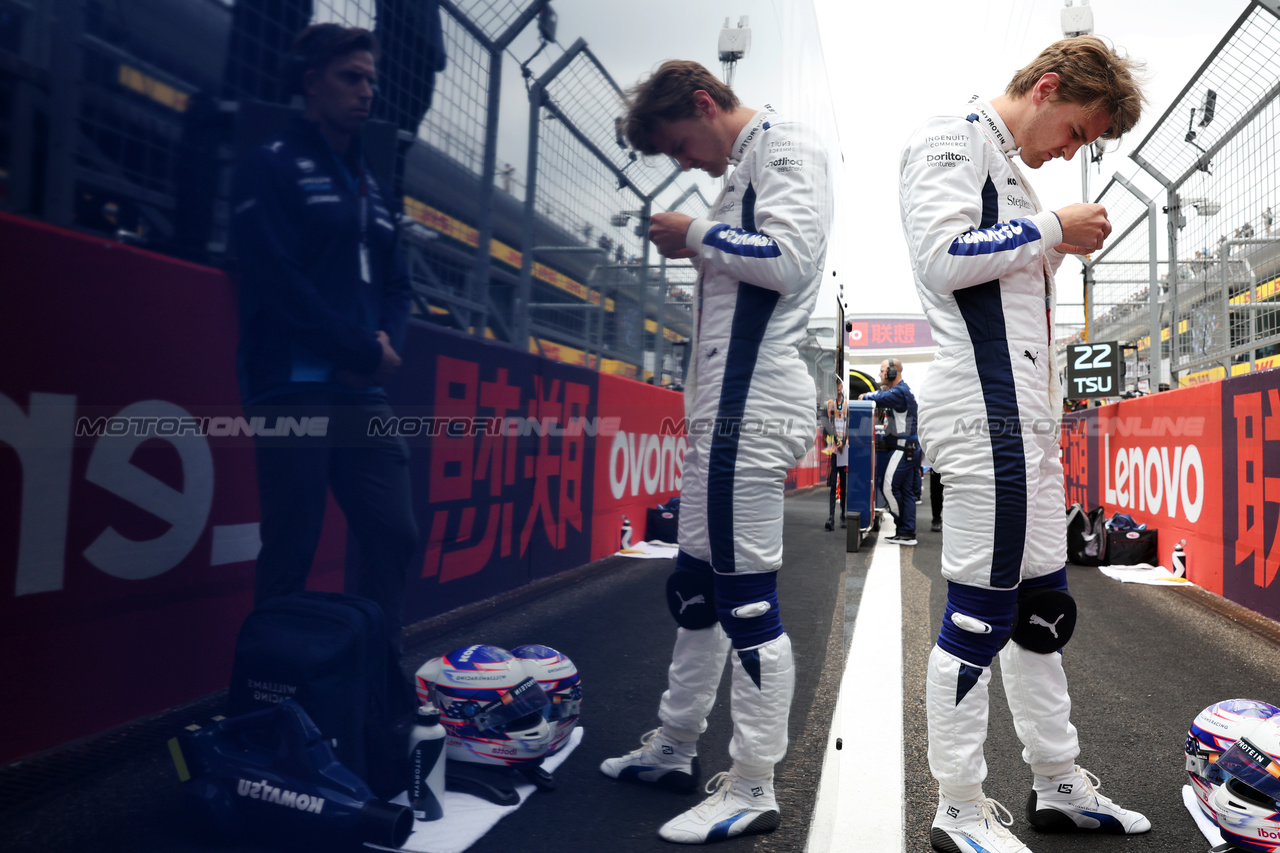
124 119
1212 296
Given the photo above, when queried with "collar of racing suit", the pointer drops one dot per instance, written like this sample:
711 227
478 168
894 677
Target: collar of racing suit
749 133
994 124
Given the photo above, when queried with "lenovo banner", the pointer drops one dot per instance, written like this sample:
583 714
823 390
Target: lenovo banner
128 504
1166 461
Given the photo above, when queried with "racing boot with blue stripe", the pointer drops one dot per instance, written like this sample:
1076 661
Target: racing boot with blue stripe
737 806
1070 802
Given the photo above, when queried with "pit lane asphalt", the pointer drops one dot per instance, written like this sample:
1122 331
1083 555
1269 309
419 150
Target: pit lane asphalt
1143 662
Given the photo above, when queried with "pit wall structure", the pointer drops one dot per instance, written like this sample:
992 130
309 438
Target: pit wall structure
127 555
1200 463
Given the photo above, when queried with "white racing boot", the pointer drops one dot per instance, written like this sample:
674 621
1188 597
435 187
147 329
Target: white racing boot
659 761
736 807
981 826
1070 802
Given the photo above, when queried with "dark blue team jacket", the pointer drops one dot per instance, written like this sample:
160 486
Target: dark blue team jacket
305 311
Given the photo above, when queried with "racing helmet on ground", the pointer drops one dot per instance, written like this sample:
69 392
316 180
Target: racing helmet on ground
559 679
1247 805
1213 732
490 706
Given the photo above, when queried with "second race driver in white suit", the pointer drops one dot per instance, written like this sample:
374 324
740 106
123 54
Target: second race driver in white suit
984 255
749 401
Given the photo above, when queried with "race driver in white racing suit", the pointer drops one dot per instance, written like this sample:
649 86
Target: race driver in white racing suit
749 401
984 256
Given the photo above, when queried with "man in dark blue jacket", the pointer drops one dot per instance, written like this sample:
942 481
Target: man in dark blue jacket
903 469
324 299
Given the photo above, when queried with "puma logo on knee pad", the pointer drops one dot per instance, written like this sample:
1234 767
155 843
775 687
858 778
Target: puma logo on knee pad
1053 626
697 599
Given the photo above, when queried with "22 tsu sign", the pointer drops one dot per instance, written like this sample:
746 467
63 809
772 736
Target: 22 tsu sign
1094 370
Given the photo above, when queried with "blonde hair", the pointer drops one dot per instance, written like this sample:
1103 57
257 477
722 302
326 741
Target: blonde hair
667 96
1090 73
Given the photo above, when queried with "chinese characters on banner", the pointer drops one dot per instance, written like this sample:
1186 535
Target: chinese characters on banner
502 455
1251 421
888 332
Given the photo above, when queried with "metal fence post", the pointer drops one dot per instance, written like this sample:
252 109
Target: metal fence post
1173 214
478 292
1155 369
520 309
64 111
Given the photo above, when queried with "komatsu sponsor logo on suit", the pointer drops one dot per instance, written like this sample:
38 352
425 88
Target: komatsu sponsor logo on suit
1004 232
267 793
745 238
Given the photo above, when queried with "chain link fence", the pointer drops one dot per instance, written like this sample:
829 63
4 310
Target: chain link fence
124 119
1119 299
1214 153
582 175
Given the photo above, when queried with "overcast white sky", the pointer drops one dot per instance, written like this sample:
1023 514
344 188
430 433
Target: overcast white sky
876 71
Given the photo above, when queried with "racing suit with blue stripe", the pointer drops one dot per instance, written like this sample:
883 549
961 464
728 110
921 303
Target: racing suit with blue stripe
749 400
984 259
902 472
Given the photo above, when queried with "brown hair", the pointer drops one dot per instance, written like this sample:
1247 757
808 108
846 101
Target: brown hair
1090 73
667 96
319 44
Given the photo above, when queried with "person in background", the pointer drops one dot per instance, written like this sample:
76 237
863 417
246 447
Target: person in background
935 499
324 299
902 473
838 473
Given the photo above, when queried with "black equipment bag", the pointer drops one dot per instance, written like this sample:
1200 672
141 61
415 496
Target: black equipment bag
1087 536
331 654
662 523
1131 547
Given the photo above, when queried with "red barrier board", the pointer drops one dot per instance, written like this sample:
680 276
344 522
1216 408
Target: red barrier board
1251 490
128 501
127 522
1159 459
639 462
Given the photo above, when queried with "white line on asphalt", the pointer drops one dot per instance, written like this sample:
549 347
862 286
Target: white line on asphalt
860 793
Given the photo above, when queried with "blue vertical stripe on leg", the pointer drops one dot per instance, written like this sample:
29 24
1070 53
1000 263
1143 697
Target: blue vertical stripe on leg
983 314
752 311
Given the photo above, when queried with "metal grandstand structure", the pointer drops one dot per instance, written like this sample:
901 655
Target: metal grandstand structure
122 119
1215 308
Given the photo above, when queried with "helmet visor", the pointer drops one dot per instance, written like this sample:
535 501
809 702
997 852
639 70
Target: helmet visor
562 708
525 698
1253 767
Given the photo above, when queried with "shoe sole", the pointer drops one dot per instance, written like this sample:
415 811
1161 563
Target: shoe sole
942 842
672 780
763 823
1052 822
767 822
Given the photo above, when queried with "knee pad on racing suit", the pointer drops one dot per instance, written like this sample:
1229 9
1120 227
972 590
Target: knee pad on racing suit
691 593
748 608
977 622
1046 614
